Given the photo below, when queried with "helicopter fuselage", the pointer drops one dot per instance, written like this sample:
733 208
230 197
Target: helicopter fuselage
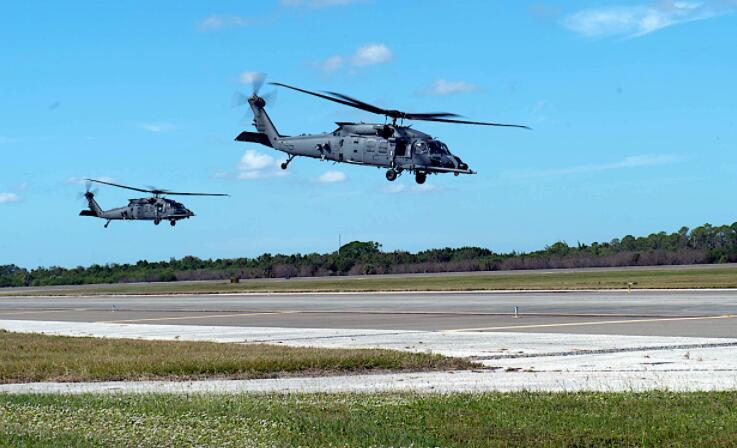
145 209
397 148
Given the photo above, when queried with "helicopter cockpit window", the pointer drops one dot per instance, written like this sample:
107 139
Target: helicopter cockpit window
420 147
438 148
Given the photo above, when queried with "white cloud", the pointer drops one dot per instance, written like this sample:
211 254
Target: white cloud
395 188
216 22
8 197
157 127
255 165
638 20
318 3
251 77
371 54
424 188
331 177
628 162
331 64
442 87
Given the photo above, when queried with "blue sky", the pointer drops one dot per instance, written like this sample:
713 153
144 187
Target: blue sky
632 105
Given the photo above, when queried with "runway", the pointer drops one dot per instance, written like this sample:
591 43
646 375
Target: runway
556 341
693 313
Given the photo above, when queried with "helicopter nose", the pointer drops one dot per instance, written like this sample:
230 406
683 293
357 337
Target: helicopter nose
461 165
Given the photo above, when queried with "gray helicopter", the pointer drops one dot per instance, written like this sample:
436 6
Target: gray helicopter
390 145
156 208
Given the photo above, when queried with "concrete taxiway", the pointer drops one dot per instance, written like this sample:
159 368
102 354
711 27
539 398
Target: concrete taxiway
583 340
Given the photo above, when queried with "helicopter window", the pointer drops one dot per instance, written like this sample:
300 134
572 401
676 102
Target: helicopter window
437 147
401 148
420 147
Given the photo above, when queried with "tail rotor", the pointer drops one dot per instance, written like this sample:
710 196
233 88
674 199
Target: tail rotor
257 81
89 193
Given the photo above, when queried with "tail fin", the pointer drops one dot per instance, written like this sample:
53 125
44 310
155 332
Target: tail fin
262 121
95 209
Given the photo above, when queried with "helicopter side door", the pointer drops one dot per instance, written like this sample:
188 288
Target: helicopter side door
400 151
354 149
377 152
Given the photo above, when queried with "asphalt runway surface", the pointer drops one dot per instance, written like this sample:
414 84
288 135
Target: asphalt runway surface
698 313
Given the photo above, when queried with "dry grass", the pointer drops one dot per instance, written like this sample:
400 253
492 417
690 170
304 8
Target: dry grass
34 357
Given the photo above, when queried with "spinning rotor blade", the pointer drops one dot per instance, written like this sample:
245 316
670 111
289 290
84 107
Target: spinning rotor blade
480 123
238 99
329 98
257 81
352 102
270 97
169 193
156 191
120 186
392 113
443 117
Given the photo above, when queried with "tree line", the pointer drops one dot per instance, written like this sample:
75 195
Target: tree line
704 244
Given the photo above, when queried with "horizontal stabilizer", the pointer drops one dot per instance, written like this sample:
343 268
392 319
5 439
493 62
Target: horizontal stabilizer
254 137
87 213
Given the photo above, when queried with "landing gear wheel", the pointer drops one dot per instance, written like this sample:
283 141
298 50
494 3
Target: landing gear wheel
173 223
391 175
156 222
420 178
284 165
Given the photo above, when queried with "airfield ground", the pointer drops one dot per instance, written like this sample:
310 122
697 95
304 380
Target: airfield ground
610 355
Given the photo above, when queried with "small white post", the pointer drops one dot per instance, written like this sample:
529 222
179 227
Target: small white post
516 312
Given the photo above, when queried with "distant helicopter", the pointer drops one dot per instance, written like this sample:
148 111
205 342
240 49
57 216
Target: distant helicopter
156 208
389 145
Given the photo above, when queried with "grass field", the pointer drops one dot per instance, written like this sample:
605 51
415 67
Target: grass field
464 420
695 277
33 357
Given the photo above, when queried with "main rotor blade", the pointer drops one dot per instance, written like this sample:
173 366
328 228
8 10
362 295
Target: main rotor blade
169 193
120 186
392 113
425 116
435 116
320 95
360 104
480 123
